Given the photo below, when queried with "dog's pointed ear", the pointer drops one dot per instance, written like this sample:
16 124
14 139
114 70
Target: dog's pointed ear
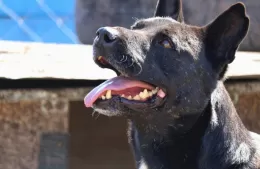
170 8
224 35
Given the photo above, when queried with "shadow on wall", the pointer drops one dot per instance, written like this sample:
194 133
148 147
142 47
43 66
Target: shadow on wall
92 14
97 142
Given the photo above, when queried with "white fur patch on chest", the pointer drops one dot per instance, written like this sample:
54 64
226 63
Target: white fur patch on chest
243 150
143 165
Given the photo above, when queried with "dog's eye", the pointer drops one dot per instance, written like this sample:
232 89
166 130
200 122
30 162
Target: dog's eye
165 43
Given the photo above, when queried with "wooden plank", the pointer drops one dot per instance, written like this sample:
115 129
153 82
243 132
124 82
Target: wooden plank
36 60
246 65
63 61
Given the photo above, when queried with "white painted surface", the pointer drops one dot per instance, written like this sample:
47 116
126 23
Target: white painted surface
37 60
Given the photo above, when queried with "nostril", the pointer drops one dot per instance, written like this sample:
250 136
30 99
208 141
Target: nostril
108 38
106 35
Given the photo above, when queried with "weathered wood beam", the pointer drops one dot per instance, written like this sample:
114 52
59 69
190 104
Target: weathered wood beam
20 60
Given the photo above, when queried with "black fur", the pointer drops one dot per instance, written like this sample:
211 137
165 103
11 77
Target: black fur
196 125
224 36
165 8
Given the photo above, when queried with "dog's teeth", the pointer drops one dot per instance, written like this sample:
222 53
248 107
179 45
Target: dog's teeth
100 57
144 94
150 94
129 98
108 94
122 95
103 97
137 97
141 95
154 91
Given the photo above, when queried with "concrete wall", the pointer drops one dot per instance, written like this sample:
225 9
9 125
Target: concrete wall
25 117
35 126
92 14
246 97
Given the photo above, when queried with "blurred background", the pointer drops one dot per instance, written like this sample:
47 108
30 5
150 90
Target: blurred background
46 70
71 20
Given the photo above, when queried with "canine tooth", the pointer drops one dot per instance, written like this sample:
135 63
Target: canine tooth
108 94
103 97
129 98
137 97
122 95
100 57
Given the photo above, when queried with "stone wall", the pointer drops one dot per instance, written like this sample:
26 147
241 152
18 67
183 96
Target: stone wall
27 115
92 14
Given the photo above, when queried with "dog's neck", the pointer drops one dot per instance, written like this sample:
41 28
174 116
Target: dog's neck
226 142
217 135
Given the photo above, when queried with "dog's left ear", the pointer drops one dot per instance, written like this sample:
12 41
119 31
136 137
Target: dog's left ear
170 8
224 35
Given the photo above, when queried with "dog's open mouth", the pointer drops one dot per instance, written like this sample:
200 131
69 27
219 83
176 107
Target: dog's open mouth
127 89
124 87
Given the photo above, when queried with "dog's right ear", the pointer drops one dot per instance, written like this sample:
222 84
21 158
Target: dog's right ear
224 35
170 8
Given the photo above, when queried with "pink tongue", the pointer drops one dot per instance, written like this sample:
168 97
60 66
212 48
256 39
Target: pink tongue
116 84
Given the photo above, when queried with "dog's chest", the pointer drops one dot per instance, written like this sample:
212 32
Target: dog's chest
161 154
143 165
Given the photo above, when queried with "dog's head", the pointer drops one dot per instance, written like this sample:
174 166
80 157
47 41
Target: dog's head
166 68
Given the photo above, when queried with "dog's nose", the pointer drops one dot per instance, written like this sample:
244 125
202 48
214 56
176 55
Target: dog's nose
107 35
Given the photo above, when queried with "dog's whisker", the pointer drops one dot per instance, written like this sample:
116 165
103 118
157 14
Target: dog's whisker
121 60
141 69
132 63
97 115
93 113
125 58
135 19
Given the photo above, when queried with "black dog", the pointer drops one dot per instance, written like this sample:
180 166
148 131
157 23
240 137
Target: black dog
170 87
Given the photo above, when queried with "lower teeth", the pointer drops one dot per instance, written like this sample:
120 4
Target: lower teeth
145 94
